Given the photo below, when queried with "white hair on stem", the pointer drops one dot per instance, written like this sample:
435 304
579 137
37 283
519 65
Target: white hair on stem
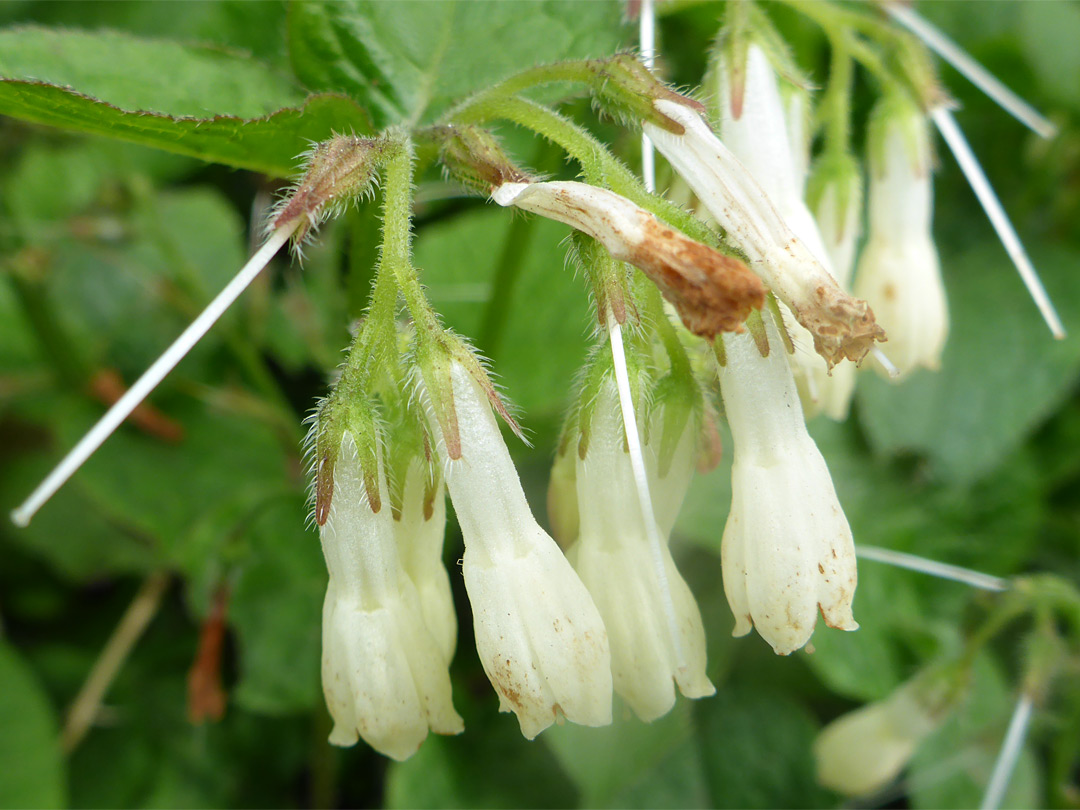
641 482
150 378
1009 753
969 164
900 559
975 73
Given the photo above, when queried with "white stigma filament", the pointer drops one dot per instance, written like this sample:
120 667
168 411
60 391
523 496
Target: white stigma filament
976 579
1009 753
886 363
647 46
641 482
979 76
969 164
150 379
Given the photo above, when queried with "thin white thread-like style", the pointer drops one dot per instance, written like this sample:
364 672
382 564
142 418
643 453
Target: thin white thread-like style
647 46
1009 754
969 164
150 379
912 562
641 481
975 73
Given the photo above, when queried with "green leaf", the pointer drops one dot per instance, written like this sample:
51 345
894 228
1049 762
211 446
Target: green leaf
406 62
276 610
633 764
491 766
1002 373
1048 33
145 75
755 747
269 145
33 770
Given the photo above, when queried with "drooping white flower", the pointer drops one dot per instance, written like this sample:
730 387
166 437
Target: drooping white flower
862 751
899 273
842 326
768 137
539 635
712 292
787 551
384 675
615 560
419 529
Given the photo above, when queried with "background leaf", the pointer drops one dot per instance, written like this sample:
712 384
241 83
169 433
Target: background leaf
33 772
408 62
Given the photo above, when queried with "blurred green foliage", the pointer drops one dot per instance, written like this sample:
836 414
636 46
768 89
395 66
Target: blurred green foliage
108 246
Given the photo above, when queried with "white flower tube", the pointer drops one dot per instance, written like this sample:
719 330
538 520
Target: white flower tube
615 561
540 638
787 551
384 675
899 273
419 530
712 292
841 326
769 139
862 751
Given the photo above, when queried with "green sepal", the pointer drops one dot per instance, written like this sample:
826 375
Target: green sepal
677 398
473 157
624 89
408 443
609 279
898 109
839 171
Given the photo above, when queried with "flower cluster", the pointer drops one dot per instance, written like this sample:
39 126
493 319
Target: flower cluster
751 306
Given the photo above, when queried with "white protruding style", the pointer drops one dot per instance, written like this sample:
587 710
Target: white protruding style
538 633
133 397
975 73
1007 757
787 551
969 164
653 622
384 675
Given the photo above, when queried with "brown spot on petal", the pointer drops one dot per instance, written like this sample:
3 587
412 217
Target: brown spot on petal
712 292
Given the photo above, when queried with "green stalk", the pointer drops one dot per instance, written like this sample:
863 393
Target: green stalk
599 166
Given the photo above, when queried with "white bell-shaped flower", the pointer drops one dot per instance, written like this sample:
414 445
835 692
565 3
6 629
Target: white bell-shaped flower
862 751
614 556
768 137
539 635
384 674
899 273
420 528
787 551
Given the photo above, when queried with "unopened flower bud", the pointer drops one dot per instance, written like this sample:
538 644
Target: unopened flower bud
540 638
899 273
712 292
336 172
384 675
787 550
419 528
861 752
